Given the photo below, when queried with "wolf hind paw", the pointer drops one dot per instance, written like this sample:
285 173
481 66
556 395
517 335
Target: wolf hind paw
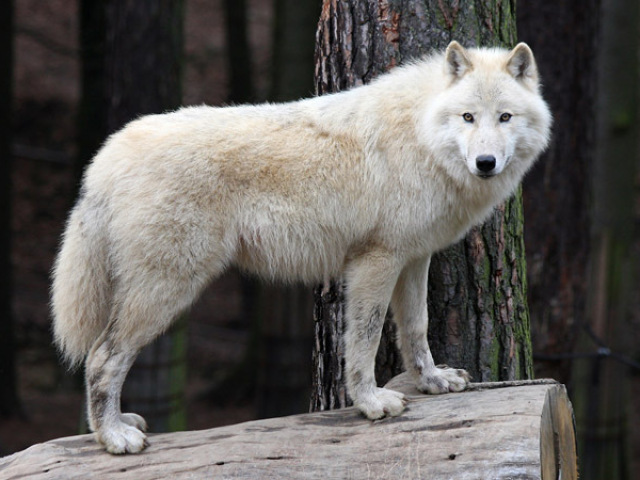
125 435
444 379
380 403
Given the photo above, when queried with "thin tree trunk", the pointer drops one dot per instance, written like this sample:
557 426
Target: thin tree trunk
143 52
601 385
284 359
564 37
285 335
477 294
241 87
92 109
292 67
144 49
9 404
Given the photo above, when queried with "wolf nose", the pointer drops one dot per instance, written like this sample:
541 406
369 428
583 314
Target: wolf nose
485 163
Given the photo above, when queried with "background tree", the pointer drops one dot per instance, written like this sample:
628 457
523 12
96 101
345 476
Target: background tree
284 330
9 404
143 75
563 36
92 108
275 367
601 384
241 85
575 202
240 383
292 65
477 303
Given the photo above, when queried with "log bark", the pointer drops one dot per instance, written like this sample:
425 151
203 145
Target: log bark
522 431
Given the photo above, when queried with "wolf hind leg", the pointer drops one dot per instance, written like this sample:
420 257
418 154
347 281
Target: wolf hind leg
409 304
107 366
143 311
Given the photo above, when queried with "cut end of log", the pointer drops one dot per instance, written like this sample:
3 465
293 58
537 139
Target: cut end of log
558 449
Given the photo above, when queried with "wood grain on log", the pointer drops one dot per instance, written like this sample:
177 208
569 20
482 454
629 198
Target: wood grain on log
523 431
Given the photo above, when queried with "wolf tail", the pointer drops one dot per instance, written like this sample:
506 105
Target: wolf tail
81 290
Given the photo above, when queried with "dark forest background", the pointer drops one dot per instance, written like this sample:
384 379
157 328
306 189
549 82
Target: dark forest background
259 50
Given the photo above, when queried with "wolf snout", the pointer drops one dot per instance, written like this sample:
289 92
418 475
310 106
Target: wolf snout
486 165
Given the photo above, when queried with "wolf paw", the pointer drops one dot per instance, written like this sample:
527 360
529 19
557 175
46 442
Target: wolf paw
380 403
134 420
444 379
125 435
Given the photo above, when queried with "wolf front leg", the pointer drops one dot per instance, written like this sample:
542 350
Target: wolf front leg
409 305
370 280
107 366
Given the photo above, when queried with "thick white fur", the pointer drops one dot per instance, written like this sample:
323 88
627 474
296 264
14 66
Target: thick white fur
364 184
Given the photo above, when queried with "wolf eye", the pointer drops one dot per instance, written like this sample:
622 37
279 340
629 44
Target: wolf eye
467 117
505 117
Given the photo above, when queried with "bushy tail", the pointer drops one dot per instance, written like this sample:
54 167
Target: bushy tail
81 293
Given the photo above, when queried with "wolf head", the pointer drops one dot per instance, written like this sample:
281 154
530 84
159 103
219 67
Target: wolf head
490 115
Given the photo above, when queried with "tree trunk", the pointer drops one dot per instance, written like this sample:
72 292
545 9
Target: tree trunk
92 109
240 80
143 53
563 36
284 360
143 58
285 335
9 404
477 288
601 385
295 23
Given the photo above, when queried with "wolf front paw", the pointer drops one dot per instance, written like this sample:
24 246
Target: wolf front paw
380 403
134 420
124 436
444 379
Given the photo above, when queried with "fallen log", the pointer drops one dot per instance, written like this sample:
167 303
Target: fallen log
522 430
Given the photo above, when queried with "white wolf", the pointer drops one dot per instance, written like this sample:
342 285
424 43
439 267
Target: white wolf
364 184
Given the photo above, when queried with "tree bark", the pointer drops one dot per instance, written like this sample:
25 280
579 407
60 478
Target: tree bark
240 83
92 109
292 67
144 50
564 37
601 385
143 55
281 362
9 404
477 288
283 356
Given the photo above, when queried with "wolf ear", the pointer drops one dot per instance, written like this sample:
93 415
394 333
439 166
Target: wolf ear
457 61
522 66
